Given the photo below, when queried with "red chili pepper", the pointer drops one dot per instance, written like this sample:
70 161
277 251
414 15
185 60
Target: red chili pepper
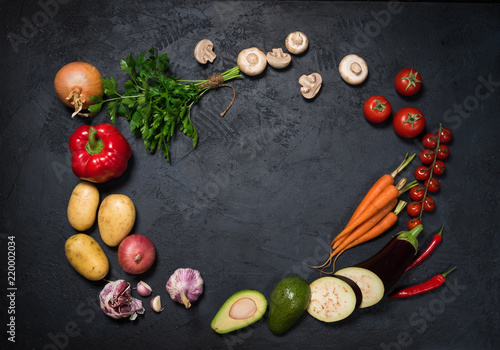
429 285
430 248
99 153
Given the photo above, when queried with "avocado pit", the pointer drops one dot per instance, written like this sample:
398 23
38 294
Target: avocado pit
243 308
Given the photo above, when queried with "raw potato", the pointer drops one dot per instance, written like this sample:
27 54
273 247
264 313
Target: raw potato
116 218
87 257
82 206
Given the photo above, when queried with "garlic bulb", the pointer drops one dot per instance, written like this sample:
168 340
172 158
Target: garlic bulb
117 302
185 286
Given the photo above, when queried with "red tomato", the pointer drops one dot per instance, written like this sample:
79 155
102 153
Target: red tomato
445 135
439 167
433 185
422 173
414 208
426 156
413 222
408 122
417 193
429 204
377 109
429 141
408 82
443 152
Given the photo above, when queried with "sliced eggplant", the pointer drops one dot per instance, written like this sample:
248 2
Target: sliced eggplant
371 286
332 299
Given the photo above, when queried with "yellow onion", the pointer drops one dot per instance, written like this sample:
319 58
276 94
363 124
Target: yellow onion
75 83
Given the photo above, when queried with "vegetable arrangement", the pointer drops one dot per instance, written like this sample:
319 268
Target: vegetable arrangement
155 105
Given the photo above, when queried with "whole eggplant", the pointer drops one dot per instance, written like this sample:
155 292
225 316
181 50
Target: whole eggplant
390 263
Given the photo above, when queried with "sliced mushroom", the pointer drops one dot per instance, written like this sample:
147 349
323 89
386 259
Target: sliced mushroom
252 61
310 85
278 59
353 69
203 52
296 43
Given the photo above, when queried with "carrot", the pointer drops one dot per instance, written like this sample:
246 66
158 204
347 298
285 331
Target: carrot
382 226
365 226
383 198
384 181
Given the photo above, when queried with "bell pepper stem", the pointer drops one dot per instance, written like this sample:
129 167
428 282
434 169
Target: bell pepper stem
94 144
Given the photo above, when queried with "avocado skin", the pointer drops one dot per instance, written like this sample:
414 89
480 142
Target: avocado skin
288 301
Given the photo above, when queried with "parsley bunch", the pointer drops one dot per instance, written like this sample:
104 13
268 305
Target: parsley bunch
154 103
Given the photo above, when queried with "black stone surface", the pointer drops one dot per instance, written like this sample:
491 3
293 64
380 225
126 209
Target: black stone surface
269 185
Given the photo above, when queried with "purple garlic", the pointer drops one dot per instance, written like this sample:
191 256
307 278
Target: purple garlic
185 286
117 302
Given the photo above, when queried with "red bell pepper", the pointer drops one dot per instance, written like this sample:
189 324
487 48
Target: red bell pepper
99 153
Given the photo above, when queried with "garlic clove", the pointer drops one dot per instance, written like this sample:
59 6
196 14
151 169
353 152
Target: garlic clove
144 289
156 304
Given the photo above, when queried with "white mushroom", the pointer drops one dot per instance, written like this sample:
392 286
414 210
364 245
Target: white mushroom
310 85
353 69
203 52
252 61
278 59
296 43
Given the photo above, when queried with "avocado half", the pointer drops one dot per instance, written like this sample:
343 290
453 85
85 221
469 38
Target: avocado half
241 309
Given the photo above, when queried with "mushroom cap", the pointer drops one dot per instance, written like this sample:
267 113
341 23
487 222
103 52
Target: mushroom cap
203 51
296 42
311 84
252 61
278 59
353 69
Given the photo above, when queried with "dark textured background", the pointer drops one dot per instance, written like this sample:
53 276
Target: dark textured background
269 184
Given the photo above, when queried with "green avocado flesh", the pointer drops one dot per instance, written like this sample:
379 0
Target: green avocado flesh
289 300
241 309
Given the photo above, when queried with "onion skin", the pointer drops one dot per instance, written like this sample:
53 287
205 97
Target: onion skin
75 83
136 254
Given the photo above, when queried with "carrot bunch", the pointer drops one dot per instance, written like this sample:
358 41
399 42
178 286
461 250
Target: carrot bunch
374 214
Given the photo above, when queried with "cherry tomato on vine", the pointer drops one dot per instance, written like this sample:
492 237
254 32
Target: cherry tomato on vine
377 109
422 173
443 152
408 81
413 222
429 141
417 193
426 156
414 208
439 167
446 135
408 122
432 185
429 204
